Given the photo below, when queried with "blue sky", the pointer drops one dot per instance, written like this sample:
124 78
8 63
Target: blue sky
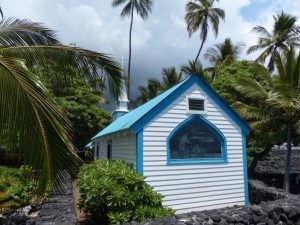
254 8
160 41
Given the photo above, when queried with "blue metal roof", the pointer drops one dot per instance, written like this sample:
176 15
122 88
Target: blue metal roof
138 117
130 118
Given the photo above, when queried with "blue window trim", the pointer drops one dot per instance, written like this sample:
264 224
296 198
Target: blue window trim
194 79
139 152
213 128
245 162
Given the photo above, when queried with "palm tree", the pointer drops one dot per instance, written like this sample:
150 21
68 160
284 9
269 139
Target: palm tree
284 34
30 120
142 8
225 51
222 53
277 102
195 67
201 13
170 77
153 89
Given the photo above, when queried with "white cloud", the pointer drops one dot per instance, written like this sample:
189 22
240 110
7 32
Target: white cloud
158 42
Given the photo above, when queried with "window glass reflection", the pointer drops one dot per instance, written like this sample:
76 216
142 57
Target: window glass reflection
195 140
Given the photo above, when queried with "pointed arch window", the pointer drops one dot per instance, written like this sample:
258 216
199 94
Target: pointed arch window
196 140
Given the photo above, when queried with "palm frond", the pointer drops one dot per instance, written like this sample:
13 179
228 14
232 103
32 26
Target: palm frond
37 128
265 53
117 2
249 112
17 32
263 31
253 48
280 67
143 8
260 123
170 77
250 88
212 55
91 65
126 11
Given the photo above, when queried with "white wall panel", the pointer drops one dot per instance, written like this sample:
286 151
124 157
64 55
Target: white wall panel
195 186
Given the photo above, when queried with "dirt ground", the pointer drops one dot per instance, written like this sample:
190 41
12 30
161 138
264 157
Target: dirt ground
81 218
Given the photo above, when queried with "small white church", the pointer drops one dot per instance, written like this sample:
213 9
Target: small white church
188 143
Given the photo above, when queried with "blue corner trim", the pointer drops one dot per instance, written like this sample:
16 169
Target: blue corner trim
210 126
139 152
195 78
245 170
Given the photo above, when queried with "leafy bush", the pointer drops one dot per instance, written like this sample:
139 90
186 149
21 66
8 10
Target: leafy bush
17 188
111 191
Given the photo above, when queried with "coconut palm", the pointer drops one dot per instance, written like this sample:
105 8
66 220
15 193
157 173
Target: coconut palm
195 67
220 54
285 33
30 121
170 77
200 14
151 91
142 8
225 51
277 102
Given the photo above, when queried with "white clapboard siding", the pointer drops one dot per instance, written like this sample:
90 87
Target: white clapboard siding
208 173
191 184
207 205
196 186
189 178
192 167
123 147
200 190
203 198
201 194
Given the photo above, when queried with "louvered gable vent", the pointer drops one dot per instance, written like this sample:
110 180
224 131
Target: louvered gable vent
196 104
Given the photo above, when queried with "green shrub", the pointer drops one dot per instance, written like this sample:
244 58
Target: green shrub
16 186
111 191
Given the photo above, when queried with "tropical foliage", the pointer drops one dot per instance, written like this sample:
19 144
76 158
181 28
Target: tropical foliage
229 74
17 187
170 77
285 33
142 8
31 122
199 15
192 67
223 52
277 102
151 91
82 105
111 191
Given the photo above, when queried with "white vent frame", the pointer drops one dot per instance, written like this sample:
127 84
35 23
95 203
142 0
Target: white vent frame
204 112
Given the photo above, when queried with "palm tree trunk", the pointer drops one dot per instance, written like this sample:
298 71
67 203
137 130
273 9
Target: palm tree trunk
129 57
199 50
288 158
257 157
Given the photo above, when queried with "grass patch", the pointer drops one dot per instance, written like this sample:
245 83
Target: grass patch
17 187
